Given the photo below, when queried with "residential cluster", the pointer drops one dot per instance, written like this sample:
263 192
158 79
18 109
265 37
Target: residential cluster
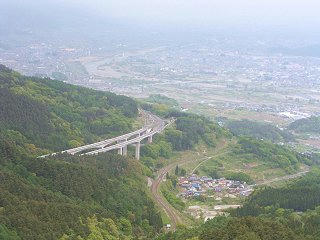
194 186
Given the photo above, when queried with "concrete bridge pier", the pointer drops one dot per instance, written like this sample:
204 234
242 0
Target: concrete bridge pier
150 139
138 150
120 151
125 150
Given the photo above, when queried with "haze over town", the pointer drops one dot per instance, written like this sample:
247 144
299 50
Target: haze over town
160 113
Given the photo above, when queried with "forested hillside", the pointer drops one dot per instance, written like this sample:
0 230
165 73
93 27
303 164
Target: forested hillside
301 195
285 213
272 154
306 125
105 197
67 196
53 115
187 131
45 198
259 131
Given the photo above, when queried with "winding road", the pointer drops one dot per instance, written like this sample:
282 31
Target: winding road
161 201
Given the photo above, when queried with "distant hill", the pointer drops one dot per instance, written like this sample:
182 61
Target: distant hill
306 125
67 196
259 131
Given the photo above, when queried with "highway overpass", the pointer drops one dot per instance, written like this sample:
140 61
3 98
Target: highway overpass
153 125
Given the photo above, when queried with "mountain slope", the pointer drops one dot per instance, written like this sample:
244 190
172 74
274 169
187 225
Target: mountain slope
65 196
55 116
259 130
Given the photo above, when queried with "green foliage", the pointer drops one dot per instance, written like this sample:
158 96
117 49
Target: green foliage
245 228
161 99
214 173
315 158
281 224
196 128
240 176
65 196
191 129
173 200
179 171
158 109
168 190
259 131
160 148
6 234
306 224
306 125
157 149
43 197
103 229
56 116
175 137
276 155
105 196
188 131
300 195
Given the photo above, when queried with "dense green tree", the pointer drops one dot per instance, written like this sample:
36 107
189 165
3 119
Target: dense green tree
240 176
300 195
53 115
6 234
306 125
278 156
259 131
97 197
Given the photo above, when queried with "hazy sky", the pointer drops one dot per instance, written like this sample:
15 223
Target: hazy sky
282 11
264 11
291 14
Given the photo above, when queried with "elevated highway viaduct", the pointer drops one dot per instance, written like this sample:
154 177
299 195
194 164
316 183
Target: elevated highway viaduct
153 125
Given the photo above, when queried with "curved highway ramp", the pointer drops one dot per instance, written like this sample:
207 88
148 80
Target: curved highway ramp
154 125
